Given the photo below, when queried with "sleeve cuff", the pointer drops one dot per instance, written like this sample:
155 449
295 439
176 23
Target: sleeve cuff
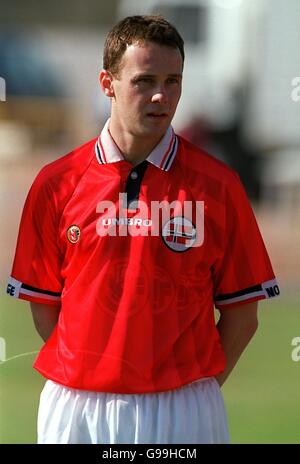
261 291
18 289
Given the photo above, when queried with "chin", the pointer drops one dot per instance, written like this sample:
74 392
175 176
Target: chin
156 132
158 127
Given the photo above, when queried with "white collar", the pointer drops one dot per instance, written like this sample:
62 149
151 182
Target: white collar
162 156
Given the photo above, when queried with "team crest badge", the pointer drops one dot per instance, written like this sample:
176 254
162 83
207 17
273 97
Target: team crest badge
73 234
179 234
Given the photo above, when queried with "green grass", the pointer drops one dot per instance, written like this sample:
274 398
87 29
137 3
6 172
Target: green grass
262 395
20 384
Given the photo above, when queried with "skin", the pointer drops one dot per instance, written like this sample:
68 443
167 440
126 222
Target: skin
148 85
144 97
45 318
236 328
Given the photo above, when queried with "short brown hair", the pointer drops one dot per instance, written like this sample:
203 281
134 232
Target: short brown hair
134 29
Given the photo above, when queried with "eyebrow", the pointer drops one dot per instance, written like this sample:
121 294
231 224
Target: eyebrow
154 75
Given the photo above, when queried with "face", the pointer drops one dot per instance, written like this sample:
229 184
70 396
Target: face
146 92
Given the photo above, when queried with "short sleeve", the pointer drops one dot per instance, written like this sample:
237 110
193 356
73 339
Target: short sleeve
243 272
37 263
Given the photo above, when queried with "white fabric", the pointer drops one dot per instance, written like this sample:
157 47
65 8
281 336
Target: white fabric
110 153
194 414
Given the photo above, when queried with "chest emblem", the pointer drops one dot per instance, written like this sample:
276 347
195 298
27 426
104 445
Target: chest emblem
73 234
179 234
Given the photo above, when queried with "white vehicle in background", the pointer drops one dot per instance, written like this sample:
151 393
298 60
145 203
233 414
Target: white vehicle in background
215 60
242 71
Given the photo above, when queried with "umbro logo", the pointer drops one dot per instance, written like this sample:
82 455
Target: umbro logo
127 222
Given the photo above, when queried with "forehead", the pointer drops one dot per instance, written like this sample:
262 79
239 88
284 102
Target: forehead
151 58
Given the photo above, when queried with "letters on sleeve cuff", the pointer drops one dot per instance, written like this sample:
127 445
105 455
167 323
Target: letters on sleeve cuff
21 290
262 291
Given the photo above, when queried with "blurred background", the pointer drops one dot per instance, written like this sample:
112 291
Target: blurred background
240 102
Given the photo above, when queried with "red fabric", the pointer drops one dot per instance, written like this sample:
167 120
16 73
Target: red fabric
136 316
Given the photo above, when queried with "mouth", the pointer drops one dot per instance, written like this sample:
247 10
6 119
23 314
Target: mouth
157 115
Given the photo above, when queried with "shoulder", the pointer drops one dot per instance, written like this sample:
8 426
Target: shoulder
71 166
206 174
196 162
57 180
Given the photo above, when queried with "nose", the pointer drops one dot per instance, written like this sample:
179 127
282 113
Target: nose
159 95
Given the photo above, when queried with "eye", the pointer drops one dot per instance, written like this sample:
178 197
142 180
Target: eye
145 79
173 80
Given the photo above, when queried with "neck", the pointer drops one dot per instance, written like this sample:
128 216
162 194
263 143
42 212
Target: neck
135 149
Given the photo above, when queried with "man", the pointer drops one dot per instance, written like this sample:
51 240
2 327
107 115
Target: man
125 246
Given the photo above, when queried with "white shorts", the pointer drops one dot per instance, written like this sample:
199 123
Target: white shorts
194 413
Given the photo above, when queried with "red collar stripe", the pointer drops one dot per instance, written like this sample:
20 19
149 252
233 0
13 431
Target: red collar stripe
98 152
171 153
102 151
168 151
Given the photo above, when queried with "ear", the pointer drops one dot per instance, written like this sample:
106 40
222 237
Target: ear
106 79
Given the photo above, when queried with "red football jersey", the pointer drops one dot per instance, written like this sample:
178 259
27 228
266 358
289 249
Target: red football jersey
137 295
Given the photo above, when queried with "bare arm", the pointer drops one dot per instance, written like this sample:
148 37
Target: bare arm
45 318
236 328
